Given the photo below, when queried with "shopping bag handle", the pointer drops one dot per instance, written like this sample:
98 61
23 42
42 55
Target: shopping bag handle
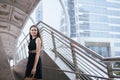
32 75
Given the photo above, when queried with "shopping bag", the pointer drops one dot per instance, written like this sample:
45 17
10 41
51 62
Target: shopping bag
30 78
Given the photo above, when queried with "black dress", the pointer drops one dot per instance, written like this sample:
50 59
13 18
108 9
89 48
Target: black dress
30 63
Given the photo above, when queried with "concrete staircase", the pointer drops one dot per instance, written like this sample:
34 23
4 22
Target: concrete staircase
49 69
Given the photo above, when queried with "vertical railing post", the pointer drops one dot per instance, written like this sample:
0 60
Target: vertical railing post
109 69
75 61
54 44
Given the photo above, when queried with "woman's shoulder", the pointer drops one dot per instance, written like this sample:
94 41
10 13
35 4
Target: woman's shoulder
38 39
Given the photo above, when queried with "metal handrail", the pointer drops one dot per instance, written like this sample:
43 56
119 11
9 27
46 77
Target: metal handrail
23 41
111 59
102 60
72 41
63 43
98 77
48 33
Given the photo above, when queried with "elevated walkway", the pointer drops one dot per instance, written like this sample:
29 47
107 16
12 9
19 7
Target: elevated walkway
70 60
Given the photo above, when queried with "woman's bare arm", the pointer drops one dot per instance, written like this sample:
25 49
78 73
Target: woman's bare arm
38 48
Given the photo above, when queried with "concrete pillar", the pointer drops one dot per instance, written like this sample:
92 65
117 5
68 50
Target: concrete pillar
5 71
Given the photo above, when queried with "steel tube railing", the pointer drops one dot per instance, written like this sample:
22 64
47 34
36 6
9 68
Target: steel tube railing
61 44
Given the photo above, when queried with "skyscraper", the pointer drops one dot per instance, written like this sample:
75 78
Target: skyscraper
97 25
39 12
68 18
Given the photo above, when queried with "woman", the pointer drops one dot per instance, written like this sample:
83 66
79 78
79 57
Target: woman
34 65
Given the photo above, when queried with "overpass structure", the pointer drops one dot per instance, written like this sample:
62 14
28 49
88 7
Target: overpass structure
62 57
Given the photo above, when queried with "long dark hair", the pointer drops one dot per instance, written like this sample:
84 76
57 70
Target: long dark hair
38 34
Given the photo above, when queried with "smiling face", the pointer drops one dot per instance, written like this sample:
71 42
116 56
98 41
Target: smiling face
33 31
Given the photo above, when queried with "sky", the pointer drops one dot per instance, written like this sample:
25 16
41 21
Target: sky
51 12
51 16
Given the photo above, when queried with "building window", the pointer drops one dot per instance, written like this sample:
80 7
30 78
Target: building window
104 51
101 48
117 44
117 53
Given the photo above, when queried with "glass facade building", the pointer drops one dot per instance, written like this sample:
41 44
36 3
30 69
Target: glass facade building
97 25
71 13
39 12
68 23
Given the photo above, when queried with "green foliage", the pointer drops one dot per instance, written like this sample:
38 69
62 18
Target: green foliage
117 65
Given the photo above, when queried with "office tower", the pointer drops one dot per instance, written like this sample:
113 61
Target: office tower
97 24
68 18
39 12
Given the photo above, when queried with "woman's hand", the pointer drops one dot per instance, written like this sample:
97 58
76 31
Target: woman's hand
33 71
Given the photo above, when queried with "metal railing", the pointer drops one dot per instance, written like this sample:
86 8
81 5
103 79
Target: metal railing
80 58
85 63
